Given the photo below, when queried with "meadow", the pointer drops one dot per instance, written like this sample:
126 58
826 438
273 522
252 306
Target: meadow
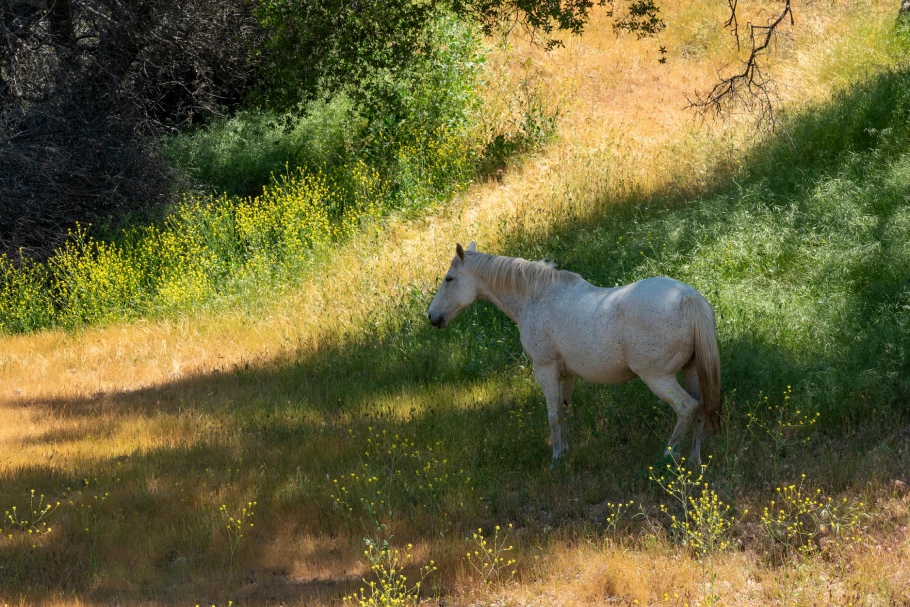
319 443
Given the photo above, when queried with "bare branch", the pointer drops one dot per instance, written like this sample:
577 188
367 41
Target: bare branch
732 22
750 88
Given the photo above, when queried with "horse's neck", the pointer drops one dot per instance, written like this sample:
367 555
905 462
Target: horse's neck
512 303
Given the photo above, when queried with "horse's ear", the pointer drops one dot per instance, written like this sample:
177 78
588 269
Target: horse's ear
459 251
472 248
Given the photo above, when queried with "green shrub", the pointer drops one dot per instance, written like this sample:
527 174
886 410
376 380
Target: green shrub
416 125
26 303
239 156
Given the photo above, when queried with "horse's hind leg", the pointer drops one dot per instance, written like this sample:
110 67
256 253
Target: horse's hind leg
667 389
690 373
551 383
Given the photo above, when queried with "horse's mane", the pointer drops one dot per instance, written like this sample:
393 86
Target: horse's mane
527 279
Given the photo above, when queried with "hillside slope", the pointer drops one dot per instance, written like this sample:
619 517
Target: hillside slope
154 436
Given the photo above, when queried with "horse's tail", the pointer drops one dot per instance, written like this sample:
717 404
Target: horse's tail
707 357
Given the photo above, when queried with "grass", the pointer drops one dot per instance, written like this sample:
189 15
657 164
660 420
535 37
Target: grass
144 432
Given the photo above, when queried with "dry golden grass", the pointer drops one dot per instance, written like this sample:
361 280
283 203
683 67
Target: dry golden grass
75 402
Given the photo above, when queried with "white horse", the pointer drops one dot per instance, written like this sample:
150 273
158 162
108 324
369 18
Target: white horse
569 328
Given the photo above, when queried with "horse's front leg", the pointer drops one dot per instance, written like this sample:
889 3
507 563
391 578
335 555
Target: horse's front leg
567 383
551 383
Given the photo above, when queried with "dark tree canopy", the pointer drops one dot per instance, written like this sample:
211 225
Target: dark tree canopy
84 84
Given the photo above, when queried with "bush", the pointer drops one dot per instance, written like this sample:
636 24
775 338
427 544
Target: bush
239 155
416 125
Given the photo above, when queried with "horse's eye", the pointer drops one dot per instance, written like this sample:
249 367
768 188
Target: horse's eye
449 279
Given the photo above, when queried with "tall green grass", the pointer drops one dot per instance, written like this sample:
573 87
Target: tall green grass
240 155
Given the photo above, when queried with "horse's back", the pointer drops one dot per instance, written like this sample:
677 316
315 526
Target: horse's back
656 293
604 334
640 302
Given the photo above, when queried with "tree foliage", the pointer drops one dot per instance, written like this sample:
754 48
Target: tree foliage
85 84
327 45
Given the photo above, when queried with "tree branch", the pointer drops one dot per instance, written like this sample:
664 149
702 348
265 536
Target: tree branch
751 87
732 22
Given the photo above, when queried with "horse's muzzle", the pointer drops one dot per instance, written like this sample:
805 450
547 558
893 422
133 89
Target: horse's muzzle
437 320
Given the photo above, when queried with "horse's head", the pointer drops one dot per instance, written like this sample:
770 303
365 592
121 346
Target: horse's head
457 291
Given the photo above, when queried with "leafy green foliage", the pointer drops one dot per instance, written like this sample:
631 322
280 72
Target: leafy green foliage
426 115
328 45
642 19
406 125
542 16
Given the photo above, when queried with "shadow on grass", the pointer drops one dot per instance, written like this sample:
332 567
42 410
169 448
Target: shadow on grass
147 525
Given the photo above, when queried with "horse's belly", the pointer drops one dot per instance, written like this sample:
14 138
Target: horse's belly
600 373
604 365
